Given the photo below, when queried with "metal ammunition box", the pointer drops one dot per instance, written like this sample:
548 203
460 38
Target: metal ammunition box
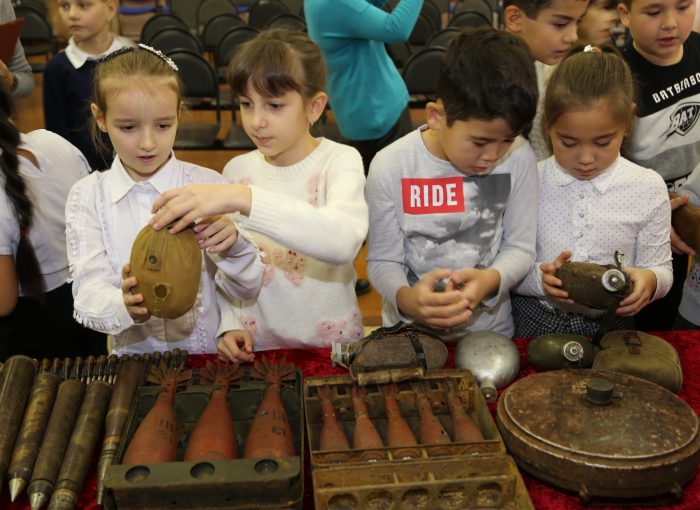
233 484
447 476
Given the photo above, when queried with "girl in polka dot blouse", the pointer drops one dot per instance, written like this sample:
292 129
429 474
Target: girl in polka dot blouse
593 202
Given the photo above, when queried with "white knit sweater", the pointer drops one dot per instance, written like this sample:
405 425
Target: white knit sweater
309 221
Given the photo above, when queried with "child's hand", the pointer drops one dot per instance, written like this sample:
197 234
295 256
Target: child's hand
476 284
189 204
677 244
644 288
439 309
217 234
236 346
131 301
552 284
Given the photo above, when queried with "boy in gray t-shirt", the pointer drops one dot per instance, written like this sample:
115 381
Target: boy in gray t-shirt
451 202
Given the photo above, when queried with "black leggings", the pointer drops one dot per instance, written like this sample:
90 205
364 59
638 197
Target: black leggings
48 330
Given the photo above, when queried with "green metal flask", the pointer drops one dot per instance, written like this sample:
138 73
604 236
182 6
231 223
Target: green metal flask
561 350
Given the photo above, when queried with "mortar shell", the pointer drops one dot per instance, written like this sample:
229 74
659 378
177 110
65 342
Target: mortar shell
14 390
31 432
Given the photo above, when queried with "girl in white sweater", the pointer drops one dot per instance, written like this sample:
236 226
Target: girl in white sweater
301 197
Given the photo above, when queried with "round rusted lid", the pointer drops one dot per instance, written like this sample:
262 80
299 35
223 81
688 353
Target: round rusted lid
642 419
571 427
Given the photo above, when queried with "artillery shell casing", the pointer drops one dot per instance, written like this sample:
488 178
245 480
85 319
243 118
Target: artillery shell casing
100 368
56 366
112 362
58 432
45 365
14 390
66 369
176 357
129 376
81 446
31 432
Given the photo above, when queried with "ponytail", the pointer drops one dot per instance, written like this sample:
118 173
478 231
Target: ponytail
27 266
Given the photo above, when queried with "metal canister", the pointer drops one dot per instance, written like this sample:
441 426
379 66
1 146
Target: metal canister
594 285
561 350
491 357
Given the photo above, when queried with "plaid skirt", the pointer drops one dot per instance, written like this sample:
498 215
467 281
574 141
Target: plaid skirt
533 318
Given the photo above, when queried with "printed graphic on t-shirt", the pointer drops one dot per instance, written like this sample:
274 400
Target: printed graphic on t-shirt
675 89
683 118
666 137
453 222
428 196
668 141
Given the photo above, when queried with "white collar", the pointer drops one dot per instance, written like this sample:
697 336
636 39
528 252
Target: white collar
78 57
120 182
601 183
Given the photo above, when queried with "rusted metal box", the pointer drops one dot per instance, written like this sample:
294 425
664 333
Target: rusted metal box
233 484
446 476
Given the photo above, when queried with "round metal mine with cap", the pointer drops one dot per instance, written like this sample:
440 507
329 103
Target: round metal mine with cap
600 434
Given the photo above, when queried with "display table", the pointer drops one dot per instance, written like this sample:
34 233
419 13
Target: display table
314 362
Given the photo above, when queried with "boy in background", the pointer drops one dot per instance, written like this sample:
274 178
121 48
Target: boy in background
599 23
450 206
664 55
548 27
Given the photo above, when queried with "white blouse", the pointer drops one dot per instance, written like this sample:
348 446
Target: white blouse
625 208
104 213
60 166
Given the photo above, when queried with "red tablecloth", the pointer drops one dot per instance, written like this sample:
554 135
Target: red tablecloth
317 362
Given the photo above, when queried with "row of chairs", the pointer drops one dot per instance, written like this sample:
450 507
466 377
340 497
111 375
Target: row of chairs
202 81
469 13
203 91
401 52
196 13
167 30
38 38
37 34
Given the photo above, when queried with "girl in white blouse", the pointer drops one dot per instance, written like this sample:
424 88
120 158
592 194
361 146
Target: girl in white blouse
593 202
137 100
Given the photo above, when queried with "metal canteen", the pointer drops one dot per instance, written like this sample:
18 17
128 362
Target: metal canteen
491 357
560 350
595 285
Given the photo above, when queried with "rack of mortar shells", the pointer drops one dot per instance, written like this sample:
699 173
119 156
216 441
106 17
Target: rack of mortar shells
446 476
237 483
